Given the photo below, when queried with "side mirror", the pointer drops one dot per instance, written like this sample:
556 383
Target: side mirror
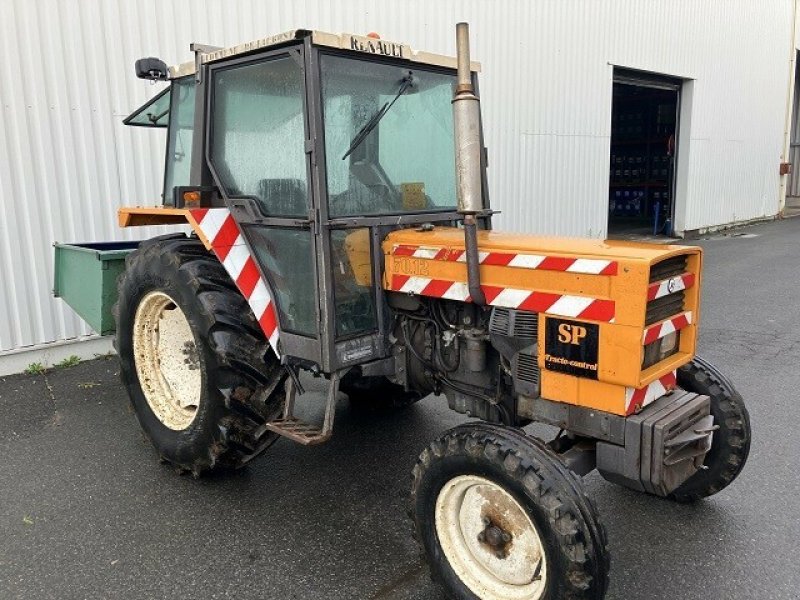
151 68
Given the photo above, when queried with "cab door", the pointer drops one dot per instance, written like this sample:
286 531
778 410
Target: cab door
256 150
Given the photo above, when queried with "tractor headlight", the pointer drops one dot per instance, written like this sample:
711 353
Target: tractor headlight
660 349
669 345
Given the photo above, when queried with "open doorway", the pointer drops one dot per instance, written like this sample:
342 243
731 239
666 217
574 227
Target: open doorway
644 125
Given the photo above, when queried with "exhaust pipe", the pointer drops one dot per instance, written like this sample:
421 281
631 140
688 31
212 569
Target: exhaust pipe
469 183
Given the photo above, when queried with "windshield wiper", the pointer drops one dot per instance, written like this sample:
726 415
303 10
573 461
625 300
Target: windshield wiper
406 82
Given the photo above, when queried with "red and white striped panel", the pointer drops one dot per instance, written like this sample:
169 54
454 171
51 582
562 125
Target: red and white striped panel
220 230
556 304
660 330
638 398
589 266
659 289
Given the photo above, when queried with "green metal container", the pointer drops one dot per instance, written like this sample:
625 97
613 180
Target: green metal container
86 279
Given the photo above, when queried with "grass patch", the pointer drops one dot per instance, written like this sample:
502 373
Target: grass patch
68 362
35 369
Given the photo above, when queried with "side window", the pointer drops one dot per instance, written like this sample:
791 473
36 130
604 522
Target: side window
258 136
352 282
179 139
153 113
287 254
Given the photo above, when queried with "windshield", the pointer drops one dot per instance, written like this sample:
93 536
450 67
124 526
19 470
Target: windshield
404 158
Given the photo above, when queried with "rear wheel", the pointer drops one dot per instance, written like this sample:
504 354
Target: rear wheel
500 517
166 360
199 373
730 445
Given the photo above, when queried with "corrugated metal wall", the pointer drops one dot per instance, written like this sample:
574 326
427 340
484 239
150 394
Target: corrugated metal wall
66 81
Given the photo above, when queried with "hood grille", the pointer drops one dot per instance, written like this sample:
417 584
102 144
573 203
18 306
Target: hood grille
672 304
671 267
663 308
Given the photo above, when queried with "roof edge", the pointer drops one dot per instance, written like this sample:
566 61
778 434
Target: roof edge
344 41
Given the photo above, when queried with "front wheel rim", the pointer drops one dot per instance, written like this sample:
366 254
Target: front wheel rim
490 540
167 360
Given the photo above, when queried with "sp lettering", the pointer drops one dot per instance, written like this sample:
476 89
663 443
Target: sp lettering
572 347
571 334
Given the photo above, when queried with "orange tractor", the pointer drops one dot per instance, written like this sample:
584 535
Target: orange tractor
335 192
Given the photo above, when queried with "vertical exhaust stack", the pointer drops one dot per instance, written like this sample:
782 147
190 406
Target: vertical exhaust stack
469 182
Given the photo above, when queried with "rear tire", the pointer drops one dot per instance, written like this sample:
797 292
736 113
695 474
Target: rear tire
539 536
730 445
234 378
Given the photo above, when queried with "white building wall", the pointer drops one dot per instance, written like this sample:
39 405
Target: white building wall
66 82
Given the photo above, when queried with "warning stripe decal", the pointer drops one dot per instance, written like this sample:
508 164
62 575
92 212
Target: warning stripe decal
638 398
659 289
557 304
220 231
589 266
660 330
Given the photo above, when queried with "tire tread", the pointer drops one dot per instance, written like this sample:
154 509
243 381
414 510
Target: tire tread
241 353
546 478
702 377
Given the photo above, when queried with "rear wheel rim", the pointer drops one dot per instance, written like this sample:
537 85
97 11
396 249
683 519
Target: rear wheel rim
490 541
167 360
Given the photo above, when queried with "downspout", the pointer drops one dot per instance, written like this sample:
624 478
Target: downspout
787 124
466 120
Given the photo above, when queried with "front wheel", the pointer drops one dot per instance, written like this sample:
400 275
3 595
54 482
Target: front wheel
730 445
500 517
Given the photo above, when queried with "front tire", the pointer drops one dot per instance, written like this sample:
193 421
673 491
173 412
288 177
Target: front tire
730 445
199 372
500 517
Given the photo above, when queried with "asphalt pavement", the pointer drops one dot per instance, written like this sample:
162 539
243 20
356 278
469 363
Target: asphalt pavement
86 511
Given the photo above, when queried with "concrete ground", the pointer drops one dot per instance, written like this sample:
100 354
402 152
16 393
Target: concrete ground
792 207
87 512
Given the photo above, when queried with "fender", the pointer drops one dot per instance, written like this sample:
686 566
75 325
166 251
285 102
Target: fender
220 234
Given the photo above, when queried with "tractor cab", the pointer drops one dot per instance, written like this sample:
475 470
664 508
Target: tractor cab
319 145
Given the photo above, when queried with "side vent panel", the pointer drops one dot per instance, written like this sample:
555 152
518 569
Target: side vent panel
527 369
500 321
514 323
514 333
526 373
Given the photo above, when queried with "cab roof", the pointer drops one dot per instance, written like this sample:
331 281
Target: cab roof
358 44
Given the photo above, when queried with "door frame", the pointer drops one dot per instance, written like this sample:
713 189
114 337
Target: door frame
247 215
647 79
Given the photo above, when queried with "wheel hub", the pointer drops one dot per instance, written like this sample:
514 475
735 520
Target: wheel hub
496 538
490 540
168 364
